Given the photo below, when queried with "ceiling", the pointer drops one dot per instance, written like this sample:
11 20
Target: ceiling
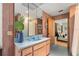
32 6
50 8
53 8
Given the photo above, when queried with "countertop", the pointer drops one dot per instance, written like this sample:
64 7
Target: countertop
27 43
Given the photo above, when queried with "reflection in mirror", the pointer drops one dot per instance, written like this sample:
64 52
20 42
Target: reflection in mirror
32 18
61 29
21 10
35 21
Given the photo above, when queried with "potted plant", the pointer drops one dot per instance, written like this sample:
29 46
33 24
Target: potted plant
19 27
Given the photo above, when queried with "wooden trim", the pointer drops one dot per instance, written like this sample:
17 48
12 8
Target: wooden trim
47 28
8 29
62 41
32 51
58 17
48 54
71 27
0 52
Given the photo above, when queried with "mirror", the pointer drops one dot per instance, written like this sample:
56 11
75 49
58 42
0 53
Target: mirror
32 17
35 20
61 27
32 14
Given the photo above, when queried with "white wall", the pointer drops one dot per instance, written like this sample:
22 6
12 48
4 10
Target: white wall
0 25
32 27
76 33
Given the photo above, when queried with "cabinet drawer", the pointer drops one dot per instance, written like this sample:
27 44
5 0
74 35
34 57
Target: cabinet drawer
48 42
26 51
40 51
39 45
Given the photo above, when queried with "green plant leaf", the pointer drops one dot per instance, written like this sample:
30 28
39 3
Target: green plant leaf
19 26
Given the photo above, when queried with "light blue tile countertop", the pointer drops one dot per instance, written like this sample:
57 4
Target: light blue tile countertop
26 43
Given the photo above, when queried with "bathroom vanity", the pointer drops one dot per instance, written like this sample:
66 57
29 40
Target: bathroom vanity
33 48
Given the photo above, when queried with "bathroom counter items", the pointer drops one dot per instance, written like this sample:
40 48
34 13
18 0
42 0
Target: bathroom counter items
33 48
27 43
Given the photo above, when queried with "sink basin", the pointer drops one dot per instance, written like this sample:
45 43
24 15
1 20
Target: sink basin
34 38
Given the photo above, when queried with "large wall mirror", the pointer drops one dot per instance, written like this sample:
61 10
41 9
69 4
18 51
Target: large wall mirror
35 20
32 17
61 27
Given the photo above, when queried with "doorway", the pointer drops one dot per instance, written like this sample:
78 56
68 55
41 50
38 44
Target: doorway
59 44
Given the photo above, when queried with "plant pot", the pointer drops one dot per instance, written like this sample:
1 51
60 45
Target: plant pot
19 37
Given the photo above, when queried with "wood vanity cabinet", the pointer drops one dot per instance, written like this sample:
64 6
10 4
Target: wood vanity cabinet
40 52
29 54
23 52
48 47
27 51
40 49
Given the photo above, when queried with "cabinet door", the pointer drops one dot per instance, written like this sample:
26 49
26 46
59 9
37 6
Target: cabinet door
40 52
29 54
48 49
17 52
27 51
40 45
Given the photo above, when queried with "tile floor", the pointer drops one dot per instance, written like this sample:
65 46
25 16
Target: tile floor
58 51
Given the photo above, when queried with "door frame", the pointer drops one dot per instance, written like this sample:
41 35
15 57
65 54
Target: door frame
8 29
61 17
